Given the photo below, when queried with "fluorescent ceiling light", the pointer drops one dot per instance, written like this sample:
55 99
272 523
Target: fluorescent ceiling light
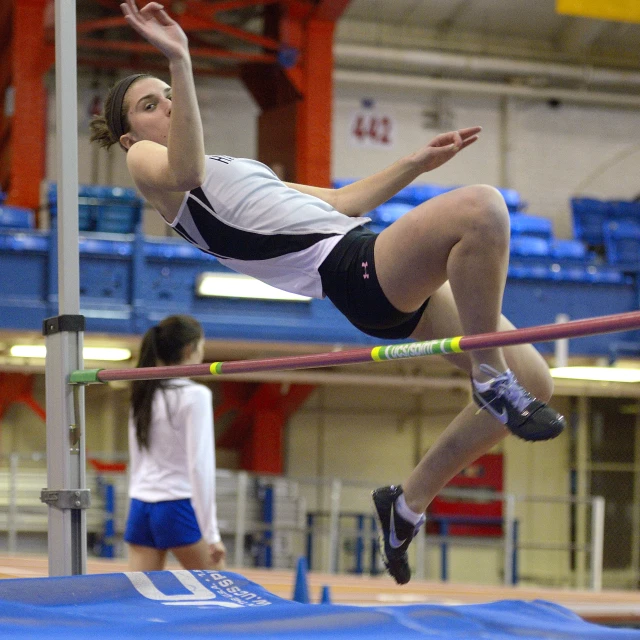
233 285
598 374
113 354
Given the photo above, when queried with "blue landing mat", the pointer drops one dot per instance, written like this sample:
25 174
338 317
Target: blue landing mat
219 606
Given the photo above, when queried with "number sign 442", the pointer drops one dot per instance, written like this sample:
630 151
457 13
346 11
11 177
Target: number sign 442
372 129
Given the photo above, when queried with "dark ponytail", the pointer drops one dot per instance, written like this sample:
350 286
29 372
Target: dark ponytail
164 342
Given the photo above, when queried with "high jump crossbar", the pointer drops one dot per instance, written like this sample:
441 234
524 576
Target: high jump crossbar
460 344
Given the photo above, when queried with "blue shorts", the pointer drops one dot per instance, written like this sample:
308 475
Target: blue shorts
162 525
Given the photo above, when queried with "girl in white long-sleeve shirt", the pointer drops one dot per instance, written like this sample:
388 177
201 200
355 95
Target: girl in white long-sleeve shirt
172 458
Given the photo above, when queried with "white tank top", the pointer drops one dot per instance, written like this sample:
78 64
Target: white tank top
255 224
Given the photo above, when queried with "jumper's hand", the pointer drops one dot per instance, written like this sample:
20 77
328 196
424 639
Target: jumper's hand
444 147
153 23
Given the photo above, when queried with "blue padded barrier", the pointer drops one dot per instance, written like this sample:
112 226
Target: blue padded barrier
24 242
622 242
526 245
525 224
106 274
3 196
129 283
16 217
174 250
589 216
201 605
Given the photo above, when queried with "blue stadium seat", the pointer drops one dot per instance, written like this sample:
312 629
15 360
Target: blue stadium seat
623 211
622 242
404 196
388 213
338 183
103 208
574 249
119 210
423 192
512 199
523 224
529 246
16 217
589 216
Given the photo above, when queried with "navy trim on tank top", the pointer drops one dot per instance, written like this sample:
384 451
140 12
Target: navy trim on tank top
224 241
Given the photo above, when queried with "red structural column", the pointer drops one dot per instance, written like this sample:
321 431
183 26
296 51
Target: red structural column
31 58
314 117
296 97
263 450
6 10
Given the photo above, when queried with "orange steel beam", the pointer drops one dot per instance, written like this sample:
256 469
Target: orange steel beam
314 123
87 26
28 133
237 33
5 81
229 5
196 52
18 387
330 9
110 64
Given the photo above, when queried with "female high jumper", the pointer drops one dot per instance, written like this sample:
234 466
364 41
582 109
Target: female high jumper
439 270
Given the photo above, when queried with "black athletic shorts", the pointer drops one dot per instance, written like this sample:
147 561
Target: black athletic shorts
349 280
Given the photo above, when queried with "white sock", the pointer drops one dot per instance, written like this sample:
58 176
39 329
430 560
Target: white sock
402 508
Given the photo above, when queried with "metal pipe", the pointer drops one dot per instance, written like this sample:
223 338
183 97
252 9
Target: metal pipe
437 61
12 524
561 347
241 518
334 525
373 78
597 542
509 520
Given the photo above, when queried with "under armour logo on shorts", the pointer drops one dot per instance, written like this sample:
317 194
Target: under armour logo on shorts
365 275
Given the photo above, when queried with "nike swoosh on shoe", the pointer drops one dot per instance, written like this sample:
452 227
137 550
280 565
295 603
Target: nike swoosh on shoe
503 416
393 539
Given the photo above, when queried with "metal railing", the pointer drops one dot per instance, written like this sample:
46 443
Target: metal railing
331 520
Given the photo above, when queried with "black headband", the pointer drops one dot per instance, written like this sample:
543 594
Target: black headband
114 117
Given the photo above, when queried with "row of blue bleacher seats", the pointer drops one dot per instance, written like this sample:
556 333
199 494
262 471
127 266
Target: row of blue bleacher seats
558 267
615 225
415 194
100 208
15 217
592 217
610 224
